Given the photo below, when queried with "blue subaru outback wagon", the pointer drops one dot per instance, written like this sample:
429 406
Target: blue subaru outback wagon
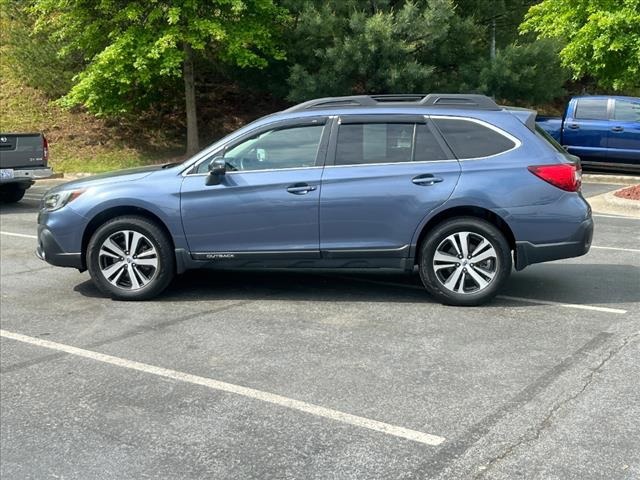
454 185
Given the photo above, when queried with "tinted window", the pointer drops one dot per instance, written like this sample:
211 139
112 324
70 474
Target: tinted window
427 147
627 111
374 143
367 143
471 140
592 108
283 148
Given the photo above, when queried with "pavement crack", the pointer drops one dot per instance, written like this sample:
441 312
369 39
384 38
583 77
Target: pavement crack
547 421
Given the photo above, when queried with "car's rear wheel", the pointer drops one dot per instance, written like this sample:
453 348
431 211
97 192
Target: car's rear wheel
130 258
465 261
12 193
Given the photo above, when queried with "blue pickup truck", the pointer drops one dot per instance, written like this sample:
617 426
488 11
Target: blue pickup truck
604 131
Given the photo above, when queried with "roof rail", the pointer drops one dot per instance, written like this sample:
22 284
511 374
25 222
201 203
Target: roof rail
450 100
462 100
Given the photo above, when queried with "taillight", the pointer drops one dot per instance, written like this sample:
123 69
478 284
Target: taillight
45 148
567 176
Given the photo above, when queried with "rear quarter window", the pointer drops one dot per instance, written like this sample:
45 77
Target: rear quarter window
470 139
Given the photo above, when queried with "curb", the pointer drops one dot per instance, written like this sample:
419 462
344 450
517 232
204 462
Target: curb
613 179
610 204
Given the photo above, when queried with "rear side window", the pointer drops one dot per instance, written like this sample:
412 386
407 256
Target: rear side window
626 111
469 139
591 109
370 143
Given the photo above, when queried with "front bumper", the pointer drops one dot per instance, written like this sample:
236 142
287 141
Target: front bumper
28 175
49 251
528 253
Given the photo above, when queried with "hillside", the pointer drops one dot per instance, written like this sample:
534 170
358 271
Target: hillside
78 142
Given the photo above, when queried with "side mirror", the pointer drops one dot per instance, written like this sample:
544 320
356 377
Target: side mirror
217 168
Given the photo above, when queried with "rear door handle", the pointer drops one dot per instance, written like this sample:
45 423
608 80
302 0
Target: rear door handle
426 180
617 129
300 188
573 126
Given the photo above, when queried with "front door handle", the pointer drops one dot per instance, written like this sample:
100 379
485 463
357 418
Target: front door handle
300 188
617 129
426 180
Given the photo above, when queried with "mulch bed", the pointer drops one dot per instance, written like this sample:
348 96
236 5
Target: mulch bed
629 193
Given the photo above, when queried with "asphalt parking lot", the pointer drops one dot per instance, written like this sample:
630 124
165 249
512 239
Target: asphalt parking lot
307 375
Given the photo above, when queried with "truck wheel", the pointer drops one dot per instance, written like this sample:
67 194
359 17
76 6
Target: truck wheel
130 258
12 193
465 261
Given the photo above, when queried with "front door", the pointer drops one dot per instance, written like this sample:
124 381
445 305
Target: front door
267 202
384 175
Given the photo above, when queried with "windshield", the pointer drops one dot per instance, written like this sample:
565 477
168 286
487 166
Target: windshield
542 133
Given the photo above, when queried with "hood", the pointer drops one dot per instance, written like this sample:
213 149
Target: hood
118 176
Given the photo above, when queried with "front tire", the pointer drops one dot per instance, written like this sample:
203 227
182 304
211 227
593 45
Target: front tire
465 261
130 258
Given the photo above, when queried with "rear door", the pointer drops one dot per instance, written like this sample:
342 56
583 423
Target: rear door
384 173
624 132
586 133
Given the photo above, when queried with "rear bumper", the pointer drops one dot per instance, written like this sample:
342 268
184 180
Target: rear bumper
49 251
28 175
528 253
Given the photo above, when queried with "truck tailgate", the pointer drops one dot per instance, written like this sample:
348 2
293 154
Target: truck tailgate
21 150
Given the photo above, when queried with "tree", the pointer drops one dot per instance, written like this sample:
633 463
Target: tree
527 74
353 47
135 50
602 37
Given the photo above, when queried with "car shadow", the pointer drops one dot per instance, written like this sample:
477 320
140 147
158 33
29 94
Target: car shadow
560 282
26 205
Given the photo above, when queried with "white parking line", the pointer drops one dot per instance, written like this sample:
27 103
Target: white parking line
504 297
619 217
616 248
565 305
310 408
22 235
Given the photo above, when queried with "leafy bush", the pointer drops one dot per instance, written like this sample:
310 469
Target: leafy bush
526 74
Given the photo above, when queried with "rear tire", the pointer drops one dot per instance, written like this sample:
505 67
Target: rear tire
11 193
130 258
465 261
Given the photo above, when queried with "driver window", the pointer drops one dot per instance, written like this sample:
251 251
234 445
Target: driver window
282 148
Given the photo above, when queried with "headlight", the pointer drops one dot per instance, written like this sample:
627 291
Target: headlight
57 200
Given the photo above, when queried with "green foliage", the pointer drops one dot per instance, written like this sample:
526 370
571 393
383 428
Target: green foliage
33 56
134 49
360 47
525 74
602 37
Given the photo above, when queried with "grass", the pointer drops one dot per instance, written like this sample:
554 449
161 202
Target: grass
78 142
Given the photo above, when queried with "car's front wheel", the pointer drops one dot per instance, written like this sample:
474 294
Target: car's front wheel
130 258
465 261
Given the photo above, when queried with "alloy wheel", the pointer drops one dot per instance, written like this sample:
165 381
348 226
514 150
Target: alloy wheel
128 260
465 262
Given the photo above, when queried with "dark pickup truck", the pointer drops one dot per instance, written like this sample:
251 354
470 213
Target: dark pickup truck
23 160
604 131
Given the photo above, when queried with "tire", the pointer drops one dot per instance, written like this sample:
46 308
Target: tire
139 274
11 193
455 280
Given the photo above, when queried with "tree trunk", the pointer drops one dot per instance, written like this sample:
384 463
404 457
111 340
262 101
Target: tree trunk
193 145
